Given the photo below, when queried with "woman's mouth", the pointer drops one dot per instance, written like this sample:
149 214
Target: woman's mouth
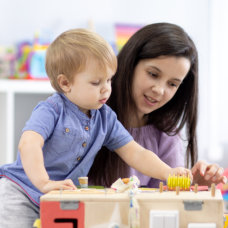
150 101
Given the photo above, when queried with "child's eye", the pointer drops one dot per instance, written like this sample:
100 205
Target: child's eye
95 83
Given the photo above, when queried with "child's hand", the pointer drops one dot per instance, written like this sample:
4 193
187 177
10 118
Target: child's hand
57 185
182 171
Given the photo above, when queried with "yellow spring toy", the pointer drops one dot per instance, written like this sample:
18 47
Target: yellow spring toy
183 182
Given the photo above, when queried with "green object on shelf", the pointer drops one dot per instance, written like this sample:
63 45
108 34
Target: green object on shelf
93 186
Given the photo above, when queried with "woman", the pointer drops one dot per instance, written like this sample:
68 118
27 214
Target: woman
155 95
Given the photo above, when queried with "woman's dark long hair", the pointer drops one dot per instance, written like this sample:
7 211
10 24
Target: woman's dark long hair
152 41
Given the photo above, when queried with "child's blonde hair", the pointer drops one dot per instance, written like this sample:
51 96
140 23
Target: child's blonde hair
68 54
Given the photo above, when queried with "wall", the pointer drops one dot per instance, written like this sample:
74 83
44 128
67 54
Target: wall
20 19
218 125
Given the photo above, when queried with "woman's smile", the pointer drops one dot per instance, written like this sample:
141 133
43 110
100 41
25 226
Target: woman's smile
150 101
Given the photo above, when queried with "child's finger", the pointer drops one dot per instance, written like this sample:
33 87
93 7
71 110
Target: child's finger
70 183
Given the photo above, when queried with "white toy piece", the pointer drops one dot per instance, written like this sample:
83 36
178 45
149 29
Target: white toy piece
131 184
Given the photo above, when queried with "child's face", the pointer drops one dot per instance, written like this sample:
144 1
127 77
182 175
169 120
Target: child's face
156 82
91 88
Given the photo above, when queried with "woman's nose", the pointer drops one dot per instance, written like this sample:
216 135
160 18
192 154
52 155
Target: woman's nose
159 89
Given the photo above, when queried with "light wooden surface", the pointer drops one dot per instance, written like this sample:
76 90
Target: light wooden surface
102 204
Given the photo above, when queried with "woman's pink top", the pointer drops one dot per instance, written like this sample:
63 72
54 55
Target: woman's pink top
169 149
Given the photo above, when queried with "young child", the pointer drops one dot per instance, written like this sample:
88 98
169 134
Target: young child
64 133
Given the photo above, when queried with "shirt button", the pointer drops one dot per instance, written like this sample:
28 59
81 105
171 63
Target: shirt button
79 158
84 144
86 128
67 130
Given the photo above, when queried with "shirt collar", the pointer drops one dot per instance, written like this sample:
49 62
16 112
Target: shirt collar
74 108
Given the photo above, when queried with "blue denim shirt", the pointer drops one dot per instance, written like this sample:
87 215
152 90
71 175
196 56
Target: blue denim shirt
72 140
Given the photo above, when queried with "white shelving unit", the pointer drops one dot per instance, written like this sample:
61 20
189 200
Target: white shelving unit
17 100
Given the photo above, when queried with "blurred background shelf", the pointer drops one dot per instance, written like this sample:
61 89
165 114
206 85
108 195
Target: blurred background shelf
17 100
25 86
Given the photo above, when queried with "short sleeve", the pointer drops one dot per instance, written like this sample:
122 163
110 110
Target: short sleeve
117 136
42 120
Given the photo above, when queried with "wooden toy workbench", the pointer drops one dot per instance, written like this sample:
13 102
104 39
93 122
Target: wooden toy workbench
93 208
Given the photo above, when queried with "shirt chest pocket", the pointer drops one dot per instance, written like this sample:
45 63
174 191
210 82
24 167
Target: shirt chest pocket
61 140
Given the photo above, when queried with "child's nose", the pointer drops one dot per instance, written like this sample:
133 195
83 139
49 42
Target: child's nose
106 88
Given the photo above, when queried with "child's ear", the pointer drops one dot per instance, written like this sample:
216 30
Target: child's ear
64 83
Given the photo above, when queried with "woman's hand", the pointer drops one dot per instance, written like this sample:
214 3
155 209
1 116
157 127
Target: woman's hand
206 174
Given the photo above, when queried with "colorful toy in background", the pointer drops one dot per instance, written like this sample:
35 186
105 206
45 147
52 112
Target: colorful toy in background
37 63
224 190
30 58
123 32
225 196
7 61
26 60
21 65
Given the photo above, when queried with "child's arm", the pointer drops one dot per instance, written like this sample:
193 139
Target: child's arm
30 147
148 162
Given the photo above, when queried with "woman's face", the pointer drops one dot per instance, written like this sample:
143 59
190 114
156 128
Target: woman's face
155 81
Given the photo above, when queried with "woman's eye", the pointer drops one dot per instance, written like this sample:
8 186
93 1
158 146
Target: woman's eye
152 74
173 84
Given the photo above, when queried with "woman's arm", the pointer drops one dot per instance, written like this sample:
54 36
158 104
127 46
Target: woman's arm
147 162
30 147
